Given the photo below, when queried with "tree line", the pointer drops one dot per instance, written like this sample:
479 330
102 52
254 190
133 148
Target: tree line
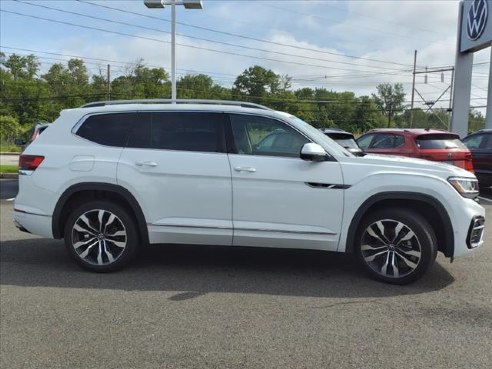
28 97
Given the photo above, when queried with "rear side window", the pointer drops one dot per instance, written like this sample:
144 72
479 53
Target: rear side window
387 141
476 141
439 141
107 129
183 131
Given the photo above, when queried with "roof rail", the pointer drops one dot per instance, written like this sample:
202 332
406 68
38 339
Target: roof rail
181 101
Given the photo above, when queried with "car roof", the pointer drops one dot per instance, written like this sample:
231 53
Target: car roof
485 130
411 131
120 106
174 103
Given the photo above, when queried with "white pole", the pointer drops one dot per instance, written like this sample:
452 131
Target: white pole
488 114
173 52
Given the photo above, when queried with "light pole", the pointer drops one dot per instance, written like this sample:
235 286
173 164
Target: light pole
188 4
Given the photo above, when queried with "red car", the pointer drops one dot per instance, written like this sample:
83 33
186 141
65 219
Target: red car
430 144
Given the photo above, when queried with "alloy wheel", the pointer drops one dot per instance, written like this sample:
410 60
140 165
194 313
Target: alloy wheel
391 248
99 237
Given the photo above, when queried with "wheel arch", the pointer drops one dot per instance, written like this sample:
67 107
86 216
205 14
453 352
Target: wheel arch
427 206
82 192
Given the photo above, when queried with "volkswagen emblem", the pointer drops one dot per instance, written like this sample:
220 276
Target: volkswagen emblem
477 19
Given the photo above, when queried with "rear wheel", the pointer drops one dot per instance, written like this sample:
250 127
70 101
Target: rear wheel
395 245
101 236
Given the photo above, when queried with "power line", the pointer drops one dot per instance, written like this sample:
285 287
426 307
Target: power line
167 42
198 38
297 47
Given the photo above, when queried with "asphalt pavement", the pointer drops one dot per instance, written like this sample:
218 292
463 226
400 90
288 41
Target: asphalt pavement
227 307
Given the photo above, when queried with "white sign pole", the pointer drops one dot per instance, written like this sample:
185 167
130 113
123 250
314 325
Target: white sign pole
488 116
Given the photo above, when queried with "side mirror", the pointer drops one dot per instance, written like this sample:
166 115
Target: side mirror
313 152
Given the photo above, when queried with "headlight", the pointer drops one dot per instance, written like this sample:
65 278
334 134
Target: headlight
467 187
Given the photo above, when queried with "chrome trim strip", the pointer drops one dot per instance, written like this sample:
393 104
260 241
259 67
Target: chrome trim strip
188 226
284 231
244 229
26 212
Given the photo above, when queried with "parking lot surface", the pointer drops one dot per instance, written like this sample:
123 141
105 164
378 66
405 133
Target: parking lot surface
219 307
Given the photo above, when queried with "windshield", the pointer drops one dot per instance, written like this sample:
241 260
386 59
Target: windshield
319 137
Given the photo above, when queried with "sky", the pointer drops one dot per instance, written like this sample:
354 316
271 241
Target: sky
338 45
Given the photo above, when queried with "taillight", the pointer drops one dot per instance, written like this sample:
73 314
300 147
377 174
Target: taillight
30 162
469 163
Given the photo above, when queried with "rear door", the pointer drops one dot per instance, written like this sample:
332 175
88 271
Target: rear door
176 165
279 199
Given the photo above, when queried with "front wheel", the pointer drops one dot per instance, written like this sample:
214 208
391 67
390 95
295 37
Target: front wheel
101 236
396 245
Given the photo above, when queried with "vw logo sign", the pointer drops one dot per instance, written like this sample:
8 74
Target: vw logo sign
477 19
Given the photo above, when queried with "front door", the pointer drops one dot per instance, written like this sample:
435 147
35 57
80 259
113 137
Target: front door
280 200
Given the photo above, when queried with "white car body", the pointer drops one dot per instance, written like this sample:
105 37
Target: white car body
233 199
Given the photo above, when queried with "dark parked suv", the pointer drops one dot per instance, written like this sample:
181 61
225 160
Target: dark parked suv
344 139
480 145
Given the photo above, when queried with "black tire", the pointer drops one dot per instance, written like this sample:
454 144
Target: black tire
395 245
101 236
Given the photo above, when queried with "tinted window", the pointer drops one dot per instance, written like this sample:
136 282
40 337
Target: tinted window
488 144
107 129
475 141
255 135
344 140
184 131
439 141
387 141
364 141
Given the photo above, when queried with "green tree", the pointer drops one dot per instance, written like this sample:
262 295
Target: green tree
366 115
22 67
389 99
9 129
141 82
22 95
69 85
256 84
476 121
201 86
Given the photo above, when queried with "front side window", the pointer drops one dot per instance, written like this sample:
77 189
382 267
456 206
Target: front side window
255 135
108 129
182 131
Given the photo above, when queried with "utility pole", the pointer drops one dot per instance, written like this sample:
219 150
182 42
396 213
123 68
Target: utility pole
413 87
109 82
450 109
432 103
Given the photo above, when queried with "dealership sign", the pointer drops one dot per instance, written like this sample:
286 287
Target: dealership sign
476 28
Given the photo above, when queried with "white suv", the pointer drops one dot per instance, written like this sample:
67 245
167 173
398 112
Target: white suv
111 178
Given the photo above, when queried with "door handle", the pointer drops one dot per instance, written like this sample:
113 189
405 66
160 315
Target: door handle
146 164
245 169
